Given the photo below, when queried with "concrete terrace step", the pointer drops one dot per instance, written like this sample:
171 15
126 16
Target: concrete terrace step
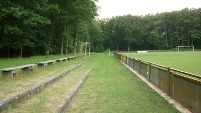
34 90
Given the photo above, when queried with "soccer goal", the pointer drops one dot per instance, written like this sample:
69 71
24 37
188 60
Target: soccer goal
185 48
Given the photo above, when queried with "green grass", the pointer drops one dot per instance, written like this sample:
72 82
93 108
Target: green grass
11 62
16 85
112 88
49 99
186 61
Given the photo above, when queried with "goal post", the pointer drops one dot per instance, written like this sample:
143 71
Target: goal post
185 48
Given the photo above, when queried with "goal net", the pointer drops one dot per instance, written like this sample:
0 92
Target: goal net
185 48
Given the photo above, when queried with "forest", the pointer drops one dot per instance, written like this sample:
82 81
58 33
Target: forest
153 32
32 27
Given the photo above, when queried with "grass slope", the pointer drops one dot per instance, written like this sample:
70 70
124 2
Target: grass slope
186 61
52 97
16 85
112 88
11 62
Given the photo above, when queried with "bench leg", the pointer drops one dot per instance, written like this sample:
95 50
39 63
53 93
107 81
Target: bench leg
51 63
58 61
27 69
11 74
14 73
42 65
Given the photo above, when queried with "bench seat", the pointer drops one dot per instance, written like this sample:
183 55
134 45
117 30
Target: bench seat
71 58
46 63
60 60
13 71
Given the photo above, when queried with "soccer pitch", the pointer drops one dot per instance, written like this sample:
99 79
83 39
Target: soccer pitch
185 61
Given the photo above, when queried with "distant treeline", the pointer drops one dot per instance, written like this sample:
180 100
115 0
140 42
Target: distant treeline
152 32
31 27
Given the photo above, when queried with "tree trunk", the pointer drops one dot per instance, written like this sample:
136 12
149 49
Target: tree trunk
177 41
128 47
21 52
188 36
21 49
8 52
166 35
67 41
165 32
62 45
67 45
85 51
117 47
62 42
75 44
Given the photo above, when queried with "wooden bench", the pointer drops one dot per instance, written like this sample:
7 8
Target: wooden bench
13 71
64 59
60 60
46 63
71 58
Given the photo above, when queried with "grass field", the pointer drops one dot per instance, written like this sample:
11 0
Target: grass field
10 62
113 88
110 87
16 85
186 61
49 99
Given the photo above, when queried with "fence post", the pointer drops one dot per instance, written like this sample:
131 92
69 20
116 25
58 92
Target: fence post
149 73
127 60
168 89
139 66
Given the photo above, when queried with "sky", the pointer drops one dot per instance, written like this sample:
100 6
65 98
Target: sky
110 8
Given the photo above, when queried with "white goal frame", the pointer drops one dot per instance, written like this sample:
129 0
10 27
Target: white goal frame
185 47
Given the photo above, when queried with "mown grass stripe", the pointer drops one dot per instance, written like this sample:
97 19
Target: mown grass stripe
35 89
186 61
111 87
62 107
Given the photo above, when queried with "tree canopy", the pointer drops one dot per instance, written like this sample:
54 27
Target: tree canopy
31 27
153 32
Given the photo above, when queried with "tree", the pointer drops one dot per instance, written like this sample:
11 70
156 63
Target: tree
73 12
19 25
160 31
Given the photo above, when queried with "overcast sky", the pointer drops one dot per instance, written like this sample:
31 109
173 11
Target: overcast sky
109 8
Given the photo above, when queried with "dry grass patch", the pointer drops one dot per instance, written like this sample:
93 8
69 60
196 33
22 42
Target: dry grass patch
14 86
50 99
